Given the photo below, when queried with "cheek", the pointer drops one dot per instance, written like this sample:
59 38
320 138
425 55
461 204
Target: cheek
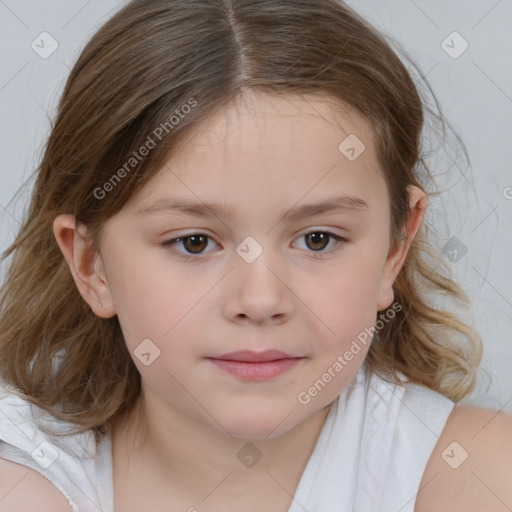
150 303
347 299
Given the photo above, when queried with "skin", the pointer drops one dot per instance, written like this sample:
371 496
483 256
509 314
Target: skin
259 157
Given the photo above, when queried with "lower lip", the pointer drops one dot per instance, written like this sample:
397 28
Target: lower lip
256 371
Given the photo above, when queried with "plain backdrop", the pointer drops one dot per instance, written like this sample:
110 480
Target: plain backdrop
462 48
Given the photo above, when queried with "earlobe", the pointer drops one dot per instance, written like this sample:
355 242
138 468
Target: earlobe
85 266
399 250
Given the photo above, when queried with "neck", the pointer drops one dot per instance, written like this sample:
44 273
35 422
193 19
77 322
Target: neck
173 447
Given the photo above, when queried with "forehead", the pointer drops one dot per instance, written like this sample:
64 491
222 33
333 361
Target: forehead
256 117
272 146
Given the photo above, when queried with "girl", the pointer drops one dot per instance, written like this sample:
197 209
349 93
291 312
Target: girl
220 297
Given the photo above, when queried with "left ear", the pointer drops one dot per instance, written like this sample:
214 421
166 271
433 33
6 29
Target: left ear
400 248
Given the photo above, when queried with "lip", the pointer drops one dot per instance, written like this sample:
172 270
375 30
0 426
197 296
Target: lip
256 366
249 356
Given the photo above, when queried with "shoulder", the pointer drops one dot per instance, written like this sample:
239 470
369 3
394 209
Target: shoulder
24 490
470 468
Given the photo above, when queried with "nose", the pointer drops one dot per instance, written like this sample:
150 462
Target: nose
260 292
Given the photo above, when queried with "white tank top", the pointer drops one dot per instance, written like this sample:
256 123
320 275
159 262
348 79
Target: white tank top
370 455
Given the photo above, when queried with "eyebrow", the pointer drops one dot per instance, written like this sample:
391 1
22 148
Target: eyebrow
349 204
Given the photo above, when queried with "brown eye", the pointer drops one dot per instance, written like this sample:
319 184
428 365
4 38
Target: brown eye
188 245
195 244
317 241
320 243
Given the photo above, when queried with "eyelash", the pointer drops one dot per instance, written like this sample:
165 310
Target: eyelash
169 243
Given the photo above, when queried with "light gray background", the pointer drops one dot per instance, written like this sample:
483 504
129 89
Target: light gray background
475 91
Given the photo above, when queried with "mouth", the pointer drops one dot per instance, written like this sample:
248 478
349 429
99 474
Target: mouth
249 365
249 356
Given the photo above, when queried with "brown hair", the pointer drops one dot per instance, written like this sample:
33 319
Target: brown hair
143 66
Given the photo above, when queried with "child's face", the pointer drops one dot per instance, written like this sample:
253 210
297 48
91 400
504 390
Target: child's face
310 297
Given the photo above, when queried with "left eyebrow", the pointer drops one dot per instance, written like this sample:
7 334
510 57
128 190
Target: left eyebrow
348 204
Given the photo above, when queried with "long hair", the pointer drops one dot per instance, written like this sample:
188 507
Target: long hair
154 71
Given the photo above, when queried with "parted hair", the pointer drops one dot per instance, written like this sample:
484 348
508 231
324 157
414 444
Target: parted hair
139 69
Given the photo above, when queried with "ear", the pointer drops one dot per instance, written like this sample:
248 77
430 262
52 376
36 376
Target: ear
86 267
399 250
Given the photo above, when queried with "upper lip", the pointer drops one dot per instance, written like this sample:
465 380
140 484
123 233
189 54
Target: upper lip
250 356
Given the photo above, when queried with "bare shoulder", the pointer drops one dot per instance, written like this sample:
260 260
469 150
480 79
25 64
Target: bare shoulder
24 490
470 468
